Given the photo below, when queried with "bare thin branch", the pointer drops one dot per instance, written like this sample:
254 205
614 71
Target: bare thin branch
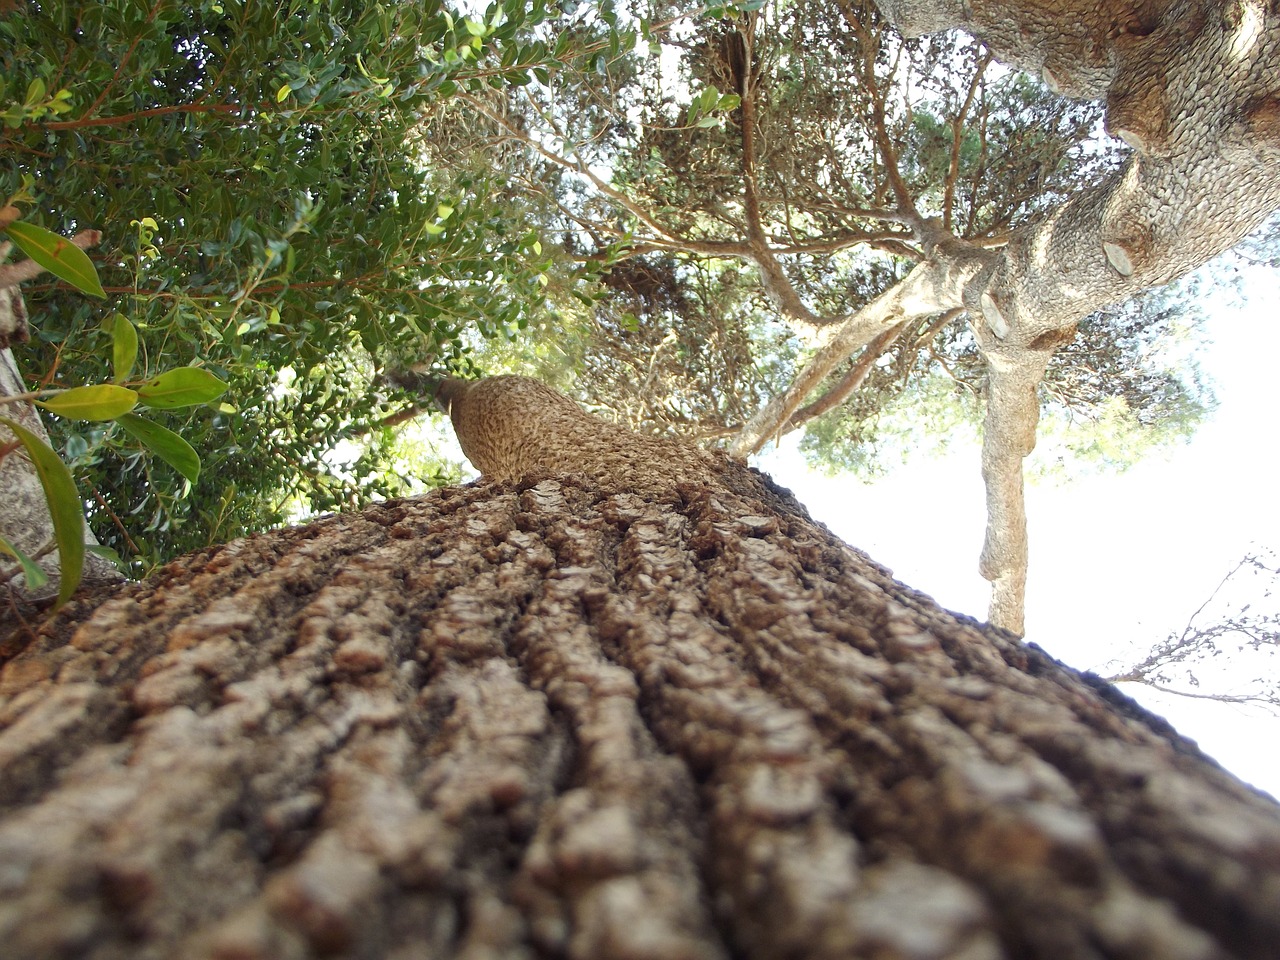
779 287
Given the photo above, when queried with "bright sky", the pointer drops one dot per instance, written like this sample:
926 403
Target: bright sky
1117 562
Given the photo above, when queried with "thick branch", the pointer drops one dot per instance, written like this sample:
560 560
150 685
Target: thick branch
932 287
12 274
774 277
849 383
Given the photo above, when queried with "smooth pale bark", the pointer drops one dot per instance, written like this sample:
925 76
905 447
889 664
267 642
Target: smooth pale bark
558 718
24 512
934 286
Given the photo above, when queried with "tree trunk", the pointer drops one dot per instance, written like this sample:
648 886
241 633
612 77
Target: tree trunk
549 719
1191 87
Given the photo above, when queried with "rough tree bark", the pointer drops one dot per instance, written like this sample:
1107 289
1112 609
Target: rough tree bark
553 717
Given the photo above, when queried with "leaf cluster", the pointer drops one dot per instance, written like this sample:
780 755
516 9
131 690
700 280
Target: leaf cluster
261 177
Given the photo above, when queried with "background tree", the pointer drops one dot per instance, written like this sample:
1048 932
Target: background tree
881 189
1202 175
673 215
647 710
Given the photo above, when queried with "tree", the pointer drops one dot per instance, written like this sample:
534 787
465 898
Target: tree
1189 90
707 265
939 213
255 170
601 714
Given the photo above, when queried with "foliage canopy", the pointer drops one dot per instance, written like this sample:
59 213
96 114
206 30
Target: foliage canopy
258 172
752 180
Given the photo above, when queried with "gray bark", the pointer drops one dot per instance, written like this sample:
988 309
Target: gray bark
554 718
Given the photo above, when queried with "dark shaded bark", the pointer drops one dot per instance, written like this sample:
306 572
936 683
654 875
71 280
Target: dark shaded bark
539 720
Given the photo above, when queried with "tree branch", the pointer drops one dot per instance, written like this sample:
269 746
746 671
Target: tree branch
850 382
123 119
870 49
775 280
856 331
957 129
13 312
12 274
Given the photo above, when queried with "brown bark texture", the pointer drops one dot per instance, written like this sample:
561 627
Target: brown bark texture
551 717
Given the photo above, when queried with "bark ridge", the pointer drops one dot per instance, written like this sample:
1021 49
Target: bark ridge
544 719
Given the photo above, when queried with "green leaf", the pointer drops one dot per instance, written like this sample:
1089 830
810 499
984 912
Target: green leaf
183 387
106 553
708 122
124 347
165 444
104 401
35 92
35 577
64 507
283 93
58 255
